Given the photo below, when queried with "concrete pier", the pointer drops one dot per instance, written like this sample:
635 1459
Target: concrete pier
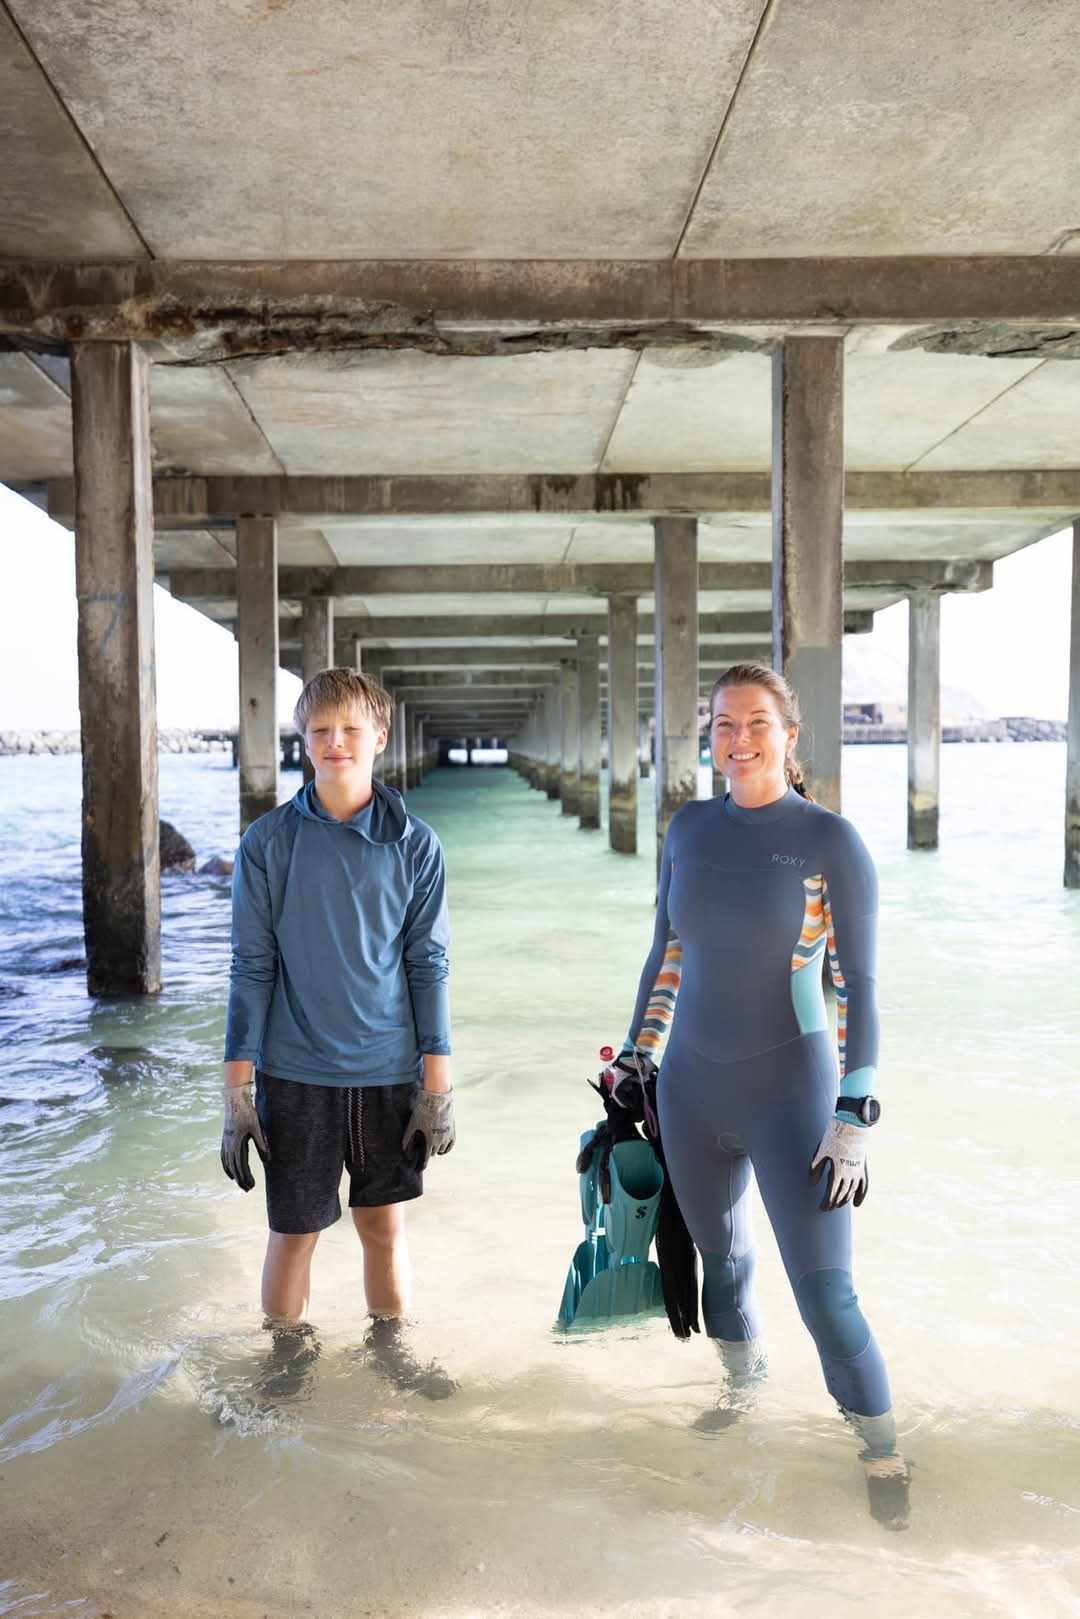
399 738
257 633
553 726
622 724
317 646
675 587
924 719
1072 757
114 572
644 748
807 522
588 684
570 750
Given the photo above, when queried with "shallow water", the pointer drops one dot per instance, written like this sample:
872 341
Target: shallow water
145 1468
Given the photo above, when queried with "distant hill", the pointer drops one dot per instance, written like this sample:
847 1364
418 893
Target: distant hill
874 675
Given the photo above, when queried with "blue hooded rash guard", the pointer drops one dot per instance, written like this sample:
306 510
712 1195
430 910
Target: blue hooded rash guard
339 944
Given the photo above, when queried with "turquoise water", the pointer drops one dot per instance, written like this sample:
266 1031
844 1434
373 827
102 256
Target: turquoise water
144 1471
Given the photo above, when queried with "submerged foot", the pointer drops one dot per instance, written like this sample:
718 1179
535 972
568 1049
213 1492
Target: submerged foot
287 1369
389 1353
746 1369
888 1481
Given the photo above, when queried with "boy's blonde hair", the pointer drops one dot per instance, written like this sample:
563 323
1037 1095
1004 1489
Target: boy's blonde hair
339 689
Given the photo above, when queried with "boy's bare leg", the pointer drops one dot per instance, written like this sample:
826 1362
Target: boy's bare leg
387 1270
286 1278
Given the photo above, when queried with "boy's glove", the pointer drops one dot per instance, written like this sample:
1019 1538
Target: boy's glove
432 1120
843 1152
241 1127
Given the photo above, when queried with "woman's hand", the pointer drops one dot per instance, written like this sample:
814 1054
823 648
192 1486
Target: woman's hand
843 1152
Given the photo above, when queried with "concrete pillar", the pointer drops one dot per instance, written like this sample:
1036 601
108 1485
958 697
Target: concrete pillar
400 738
588 671
358 656
644 748
1072 755
416 774
622 724
114 575
257 633
570 751
923 719
553 751
808 568
675 574
317 650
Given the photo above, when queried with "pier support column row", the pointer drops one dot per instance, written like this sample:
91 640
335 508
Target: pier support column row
622 724
588 686
924 719
553 727
114 581
807 524
675 576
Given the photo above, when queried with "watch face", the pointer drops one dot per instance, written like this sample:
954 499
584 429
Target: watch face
871 1110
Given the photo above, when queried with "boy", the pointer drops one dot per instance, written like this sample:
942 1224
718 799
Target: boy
338 1005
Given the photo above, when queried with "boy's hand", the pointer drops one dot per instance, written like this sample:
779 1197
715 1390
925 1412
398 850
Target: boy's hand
241 1127
432 1121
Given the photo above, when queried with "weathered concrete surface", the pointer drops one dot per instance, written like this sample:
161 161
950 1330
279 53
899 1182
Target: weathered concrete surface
49 179
520 169
924 720
317 647
423 413
198 419
35 422
201 311
675 591
1033 424
114 585
1072 767
644 746
389 504
570 750
622 709
588 684
553 707
851 130
808 568
257 630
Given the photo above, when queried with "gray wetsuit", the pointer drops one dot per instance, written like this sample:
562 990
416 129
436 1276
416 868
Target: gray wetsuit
750 901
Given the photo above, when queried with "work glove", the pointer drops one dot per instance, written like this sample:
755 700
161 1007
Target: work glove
241 1127
432 1122
843 1153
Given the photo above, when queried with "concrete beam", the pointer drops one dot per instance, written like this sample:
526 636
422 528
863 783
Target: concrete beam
203 310
622 724
114 573
808 567
733 622
1072 757
192 502
924 720
256 575
528 657
572 578
677 736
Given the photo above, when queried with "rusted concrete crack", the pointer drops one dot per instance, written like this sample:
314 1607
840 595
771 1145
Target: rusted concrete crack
996 340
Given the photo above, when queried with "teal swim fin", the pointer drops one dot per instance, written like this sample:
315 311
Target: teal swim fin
611 1275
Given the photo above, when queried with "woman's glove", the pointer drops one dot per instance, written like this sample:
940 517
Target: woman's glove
432 1120
843 1151
241 1127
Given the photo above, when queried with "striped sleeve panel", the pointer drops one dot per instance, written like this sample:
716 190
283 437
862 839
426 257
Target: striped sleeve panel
660 1007
839 983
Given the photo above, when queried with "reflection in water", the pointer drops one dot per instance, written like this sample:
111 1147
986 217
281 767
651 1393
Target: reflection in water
163 1452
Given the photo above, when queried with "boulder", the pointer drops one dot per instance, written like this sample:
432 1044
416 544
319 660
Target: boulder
176 852
218 865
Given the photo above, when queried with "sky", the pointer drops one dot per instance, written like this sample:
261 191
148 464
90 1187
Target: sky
1006 649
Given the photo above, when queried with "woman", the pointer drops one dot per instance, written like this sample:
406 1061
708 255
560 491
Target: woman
754 889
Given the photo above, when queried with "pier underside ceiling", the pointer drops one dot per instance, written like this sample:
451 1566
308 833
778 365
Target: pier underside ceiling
517 276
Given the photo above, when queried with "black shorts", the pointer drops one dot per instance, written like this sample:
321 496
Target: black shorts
314 1132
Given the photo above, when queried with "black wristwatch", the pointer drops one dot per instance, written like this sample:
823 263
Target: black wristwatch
867 1109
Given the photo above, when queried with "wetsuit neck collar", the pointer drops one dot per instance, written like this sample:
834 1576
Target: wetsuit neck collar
767 813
